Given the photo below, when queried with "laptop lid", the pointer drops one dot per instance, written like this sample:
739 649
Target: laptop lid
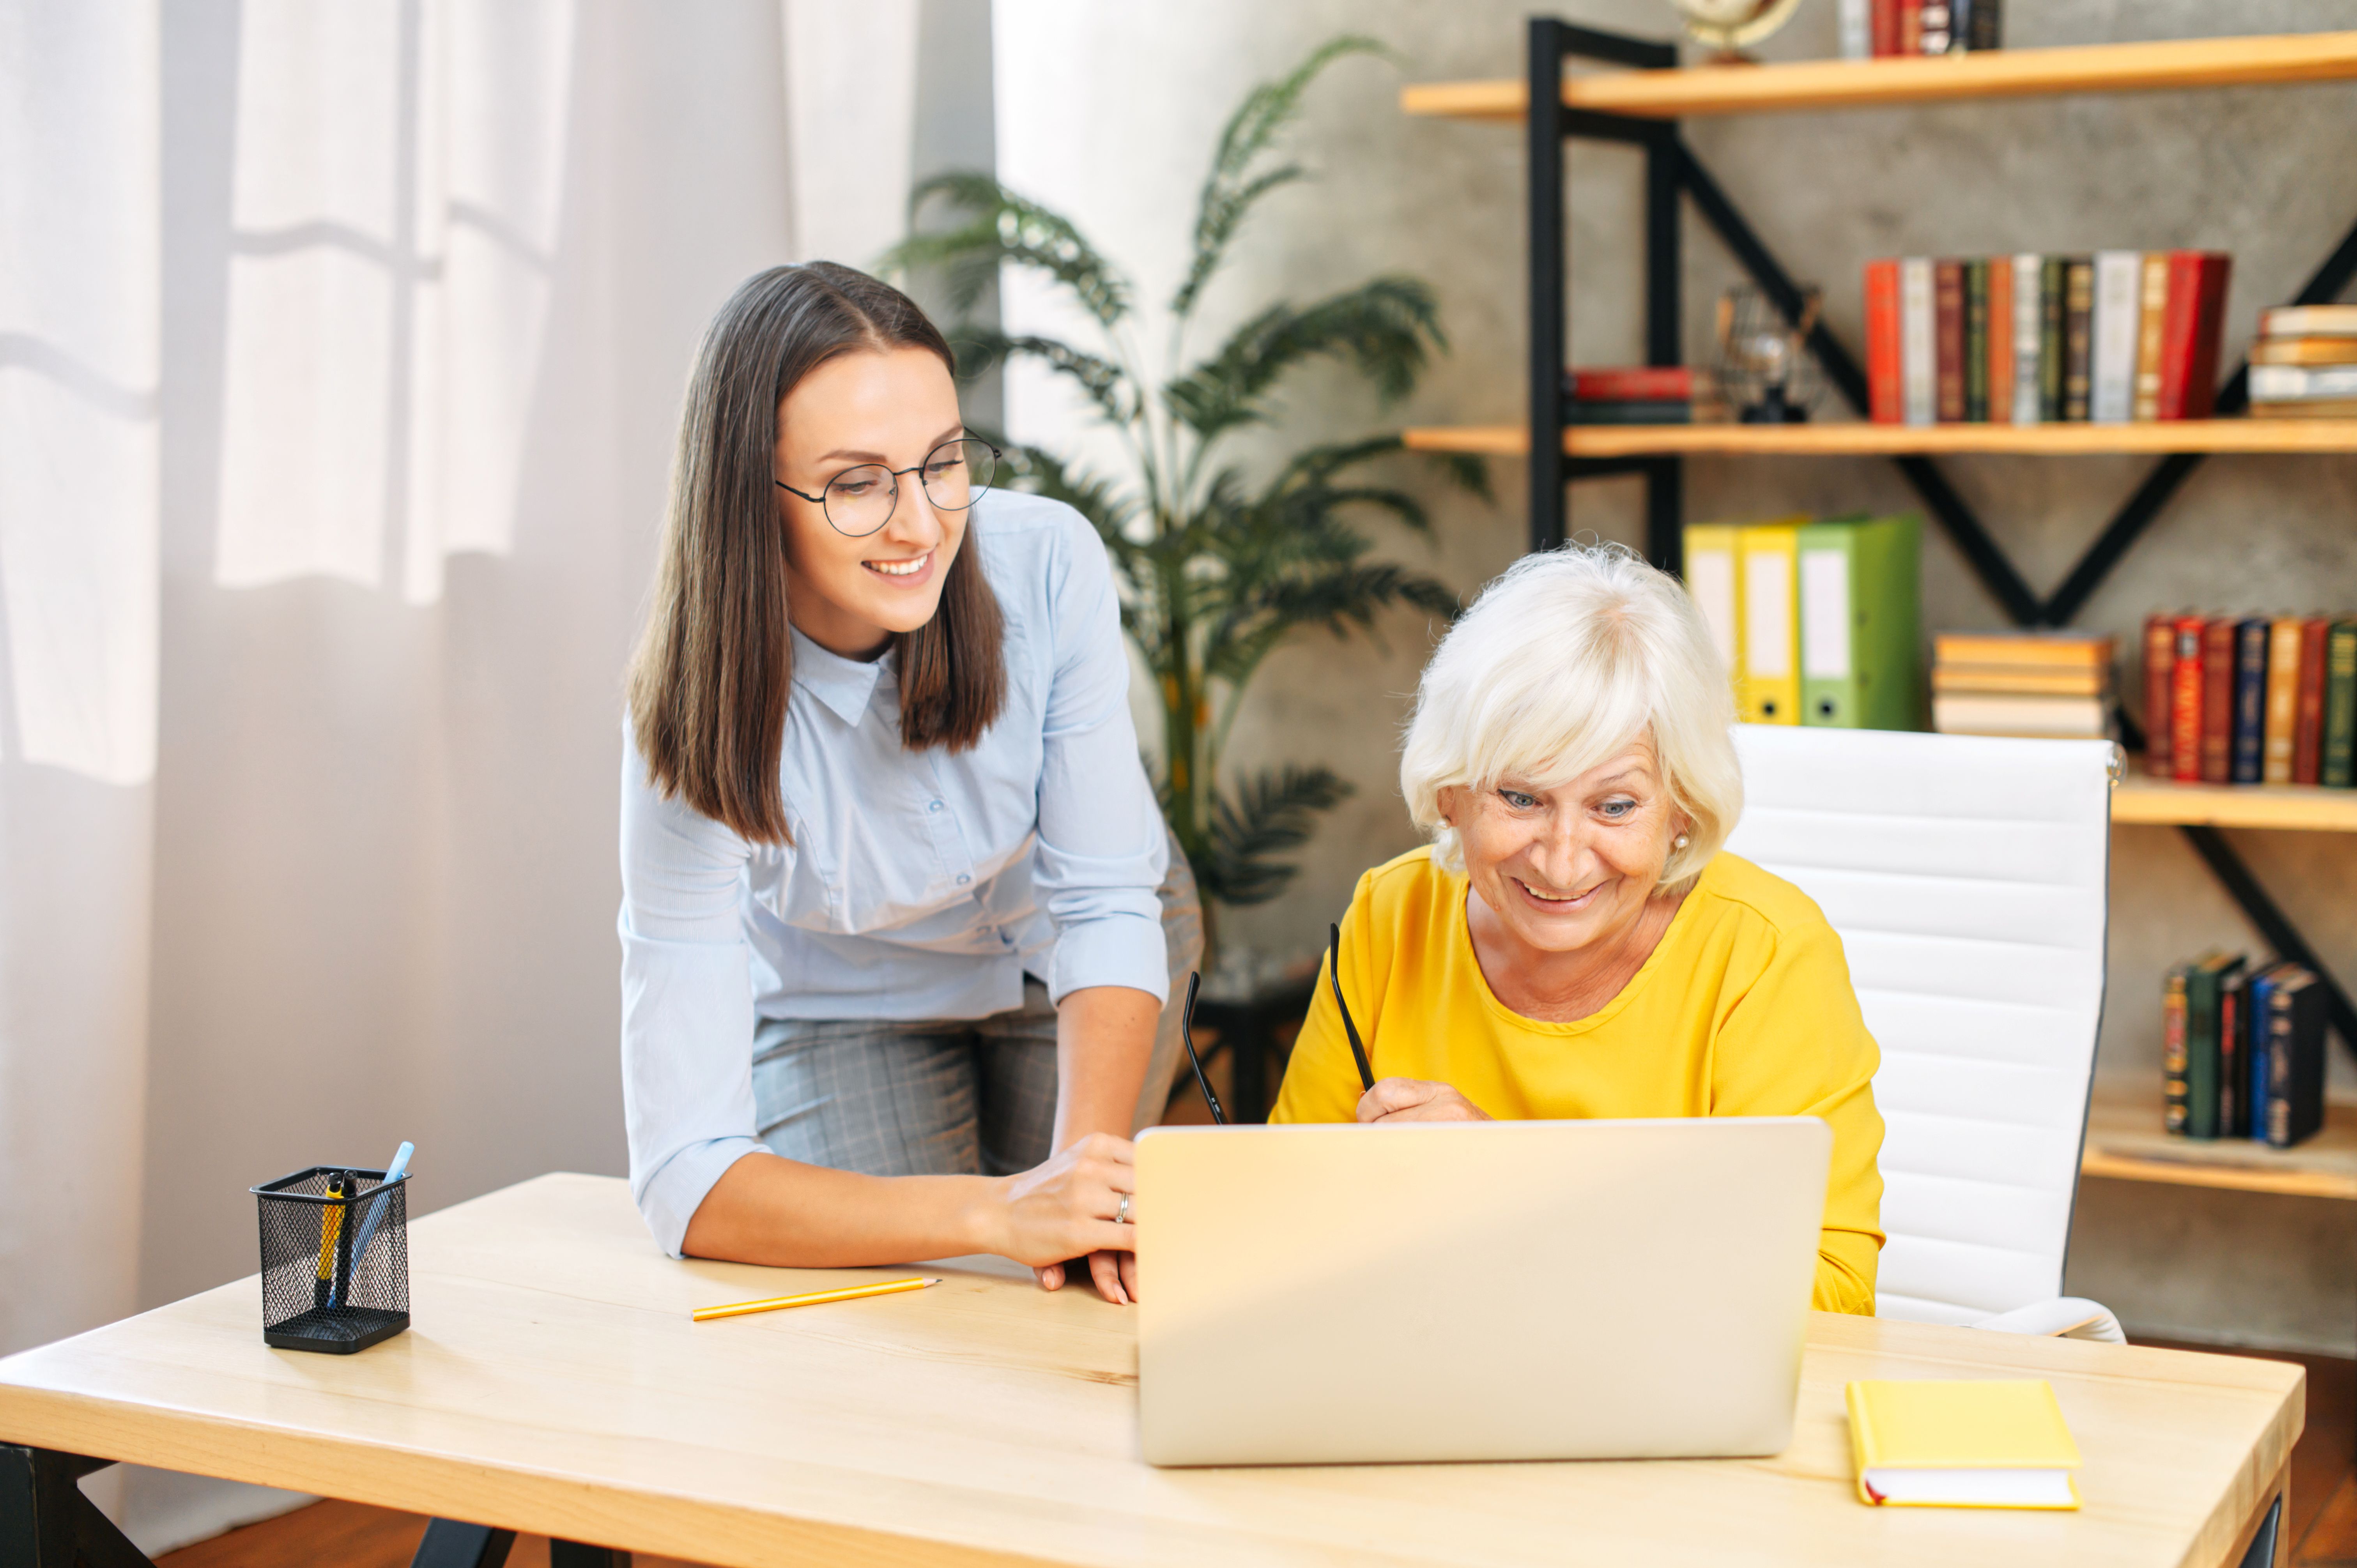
1501 1289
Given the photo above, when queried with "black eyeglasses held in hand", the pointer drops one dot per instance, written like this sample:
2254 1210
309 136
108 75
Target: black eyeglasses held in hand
1334 974
858 502
1187 1033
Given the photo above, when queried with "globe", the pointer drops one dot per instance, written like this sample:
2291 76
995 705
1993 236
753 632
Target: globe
1729 24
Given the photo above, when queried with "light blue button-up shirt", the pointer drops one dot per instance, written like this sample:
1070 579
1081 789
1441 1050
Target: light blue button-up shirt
919 884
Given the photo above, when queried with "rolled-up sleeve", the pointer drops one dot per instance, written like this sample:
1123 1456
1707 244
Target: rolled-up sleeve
1102 850
687 1004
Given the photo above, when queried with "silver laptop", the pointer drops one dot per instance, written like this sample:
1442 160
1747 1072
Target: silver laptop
1501 1289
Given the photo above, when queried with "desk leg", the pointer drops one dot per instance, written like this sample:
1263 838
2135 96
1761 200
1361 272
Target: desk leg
45 1521
2262 1551
572 1554
450 1544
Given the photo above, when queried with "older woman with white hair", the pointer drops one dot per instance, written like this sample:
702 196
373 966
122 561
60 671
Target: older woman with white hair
1574 942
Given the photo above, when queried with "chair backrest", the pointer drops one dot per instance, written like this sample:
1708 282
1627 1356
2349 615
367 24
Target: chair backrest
1967 878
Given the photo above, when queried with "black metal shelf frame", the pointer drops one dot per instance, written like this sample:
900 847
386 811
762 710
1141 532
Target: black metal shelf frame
1672 169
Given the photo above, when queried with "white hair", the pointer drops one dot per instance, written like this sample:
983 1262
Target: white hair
1561 663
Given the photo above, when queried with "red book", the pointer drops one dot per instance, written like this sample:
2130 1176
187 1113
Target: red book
2186 687
2160 679
1634 383
2190 332
1948 340
2308 730
1883 19
1886 396
1910 26
2218 699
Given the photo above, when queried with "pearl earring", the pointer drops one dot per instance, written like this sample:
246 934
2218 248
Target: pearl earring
1678 843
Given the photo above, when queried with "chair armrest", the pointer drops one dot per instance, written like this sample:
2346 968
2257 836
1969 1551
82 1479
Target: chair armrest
2070 1317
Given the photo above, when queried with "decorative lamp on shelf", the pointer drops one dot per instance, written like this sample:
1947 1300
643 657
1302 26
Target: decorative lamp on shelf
1765 369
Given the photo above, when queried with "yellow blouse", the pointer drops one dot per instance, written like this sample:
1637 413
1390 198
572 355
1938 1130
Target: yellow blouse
1744 1009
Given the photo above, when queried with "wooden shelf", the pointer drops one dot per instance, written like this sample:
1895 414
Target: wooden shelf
1861 85
2142 799
1858 438
2125 1143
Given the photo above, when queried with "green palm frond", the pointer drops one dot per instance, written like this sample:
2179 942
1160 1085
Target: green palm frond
1386 329
1234 185
1003 228
1266 815
1106 383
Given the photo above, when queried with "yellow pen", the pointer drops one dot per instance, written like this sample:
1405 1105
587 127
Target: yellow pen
810 1298
331 1225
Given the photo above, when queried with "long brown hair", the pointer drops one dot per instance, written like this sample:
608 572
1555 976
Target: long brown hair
709 680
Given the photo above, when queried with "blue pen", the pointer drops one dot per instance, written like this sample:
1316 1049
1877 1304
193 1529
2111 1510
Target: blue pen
392 1172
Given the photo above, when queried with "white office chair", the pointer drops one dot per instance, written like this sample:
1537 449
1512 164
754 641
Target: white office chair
1967 878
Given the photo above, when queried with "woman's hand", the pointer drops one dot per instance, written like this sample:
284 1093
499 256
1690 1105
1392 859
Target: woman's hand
1065 1208
1416 1099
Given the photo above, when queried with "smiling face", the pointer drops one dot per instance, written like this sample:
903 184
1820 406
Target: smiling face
1569 868
892 407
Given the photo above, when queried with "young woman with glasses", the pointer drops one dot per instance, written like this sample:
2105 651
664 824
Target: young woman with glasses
899 914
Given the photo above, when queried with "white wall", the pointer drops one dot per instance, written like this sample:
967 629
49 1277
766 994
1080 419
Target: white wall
1107 112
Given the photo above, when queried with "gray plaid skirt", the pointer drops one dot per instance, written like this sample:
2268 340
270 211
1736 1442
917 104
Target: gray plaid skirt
955 1097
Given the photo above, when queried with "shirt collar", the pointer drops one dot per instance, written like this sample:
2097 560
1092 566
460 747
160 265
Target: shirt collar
844 685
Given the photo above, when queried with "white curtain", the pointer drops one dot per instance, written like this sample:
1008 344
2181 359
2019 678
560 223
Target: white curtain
340 353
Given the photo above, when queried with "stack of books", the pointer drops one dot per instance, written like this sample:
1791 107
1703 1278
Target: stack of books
1815 620
2116 336
2250 699
2304 365
2051 685
1640 394
2242 1053
1878 29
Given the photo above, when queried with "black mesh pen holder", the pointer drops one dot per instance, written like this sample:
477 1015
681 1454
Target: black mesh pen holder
335 1259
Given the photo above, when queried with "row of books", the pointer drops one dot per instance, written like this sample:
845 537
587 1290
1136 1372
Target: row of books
2241 1050
1880 29
2052 685
1815 619
2250 699
2304 365
2036 339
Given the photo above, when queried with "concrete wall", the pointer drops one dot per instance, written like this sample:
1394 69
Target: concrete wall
1108 112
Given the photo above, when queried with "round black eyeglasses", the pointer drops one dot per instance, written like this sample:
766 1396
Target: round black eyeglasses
858 502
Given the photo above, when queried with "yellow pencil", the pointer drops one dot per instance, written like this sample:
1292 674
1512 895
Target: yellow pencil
810 1298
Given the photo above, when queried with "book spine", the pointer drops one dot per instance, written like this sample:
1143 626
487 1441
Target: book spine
2293 383
2029 316
2250 699
2186 690
2282 723
2216 269
2159 678
2172 1051
2295 1064
2000 339
1910 26
1883 17
2337 767
2177 334
2251 1116
2078 336
1886 395
1938 31
1948 325
1919 341
2231 1025
2217 700
1634 383
2152 309
1985 27
1976 355
2114 353
2308 726
2201 1050
1857 29
1588 410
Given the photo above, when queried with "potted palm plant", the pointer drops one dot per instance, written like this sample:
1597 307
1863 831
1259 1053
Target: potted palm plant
1216 567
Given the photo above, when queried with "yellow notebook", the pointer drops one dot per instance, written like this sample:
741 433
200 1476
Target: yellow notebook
1765 555
1962 1445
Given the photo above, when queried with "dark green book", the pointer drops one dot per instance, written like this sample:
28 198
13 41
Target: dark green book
2078 337
2340 705
2202 985
1976 340
2053 276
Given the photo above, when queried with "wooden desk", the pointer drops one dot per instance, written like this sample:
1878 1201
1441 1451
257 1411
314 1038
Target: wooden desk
554 1383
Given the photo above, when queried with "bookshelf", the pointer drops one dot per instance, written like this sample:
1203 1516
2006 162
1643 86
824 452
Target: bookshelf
2125 1143
1851 438
1864 84
2144 800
